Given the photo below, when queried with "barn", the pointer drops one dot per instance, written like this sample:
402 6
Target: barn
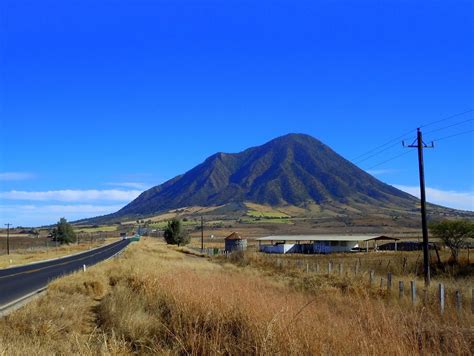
317 243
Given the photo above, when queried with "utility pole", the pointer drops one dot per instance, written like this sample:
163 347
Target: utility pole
8 238
420 145
202 234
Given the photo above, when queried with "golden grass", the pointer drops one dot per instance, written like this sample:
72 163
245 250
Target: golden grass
155 299
404 266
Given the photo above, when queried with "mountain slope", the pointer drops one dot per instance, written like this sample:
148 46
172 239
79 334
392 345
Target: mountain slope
294 169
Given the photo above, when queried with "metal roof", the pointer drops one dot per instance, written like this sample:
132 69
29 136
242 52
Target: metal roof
383 237
318 238
234 236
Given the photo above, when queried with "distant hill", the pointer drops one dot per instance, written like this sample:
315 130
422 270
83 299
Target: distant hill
295 169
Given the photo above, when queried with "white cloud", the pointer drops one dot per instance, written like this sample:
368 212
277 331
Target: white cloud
14 176
36 215
61 209
70 195
449 198
133 185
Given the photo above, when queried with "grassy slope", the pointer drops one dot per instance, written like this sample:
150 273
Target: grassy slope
154 299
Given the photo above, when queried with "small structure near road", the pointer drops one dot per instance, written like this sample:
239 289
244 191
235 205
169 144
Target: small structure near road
235 242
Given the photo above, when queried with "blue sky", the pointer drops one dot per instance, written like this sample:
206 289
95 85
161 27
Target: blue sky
102 99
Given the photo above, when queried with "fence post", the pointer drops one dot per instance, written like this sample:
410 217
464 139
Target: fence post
401 289
340 269
329 267
84 268
413 291
389 281
371 277
441 297
458 298
317 268
307 267
381 282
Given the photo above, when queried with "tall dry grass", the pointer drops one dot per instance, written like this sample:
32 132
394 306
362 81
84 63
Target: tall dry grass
404 266
155 299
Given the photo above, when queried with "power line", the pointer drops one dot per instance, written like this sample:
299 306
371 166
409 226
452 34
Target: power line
383 145
390 159
447 127
377 153
446 118
458 134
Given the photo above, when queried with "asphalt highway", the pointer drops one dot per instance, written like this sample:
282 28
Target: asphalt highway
20 281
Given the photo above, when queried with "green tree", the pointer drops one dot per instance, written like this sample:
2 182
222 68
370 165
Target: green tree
64 232
174 234
454 233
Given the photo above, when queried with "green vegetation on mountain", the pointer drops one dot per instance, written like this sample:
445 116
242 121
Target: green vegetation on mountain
295 170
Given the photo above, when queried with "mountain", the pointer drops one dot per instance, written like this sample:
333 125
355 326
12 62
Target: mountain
295 169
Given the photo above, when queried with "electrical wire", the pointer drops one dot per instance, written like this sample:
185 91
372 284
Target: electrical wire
454 135
446 118
377 153
447 127
382 148
408 151
391 159
383 145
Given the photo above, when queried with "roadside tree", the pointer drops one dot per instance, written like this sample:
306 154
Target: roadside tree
63 232
456 234
174 234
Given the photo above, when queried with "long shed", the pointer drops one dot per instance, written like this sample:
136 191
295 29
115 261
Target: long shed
316 243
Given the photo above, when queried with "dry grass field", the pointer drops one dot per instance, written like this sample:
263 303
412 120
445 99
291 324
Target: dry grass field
155 299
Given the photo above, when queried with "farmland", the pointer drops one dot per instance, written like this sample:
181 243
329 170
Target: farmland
27 247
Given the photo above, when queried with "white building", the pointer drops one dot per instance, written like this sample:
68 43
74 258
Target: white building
318 243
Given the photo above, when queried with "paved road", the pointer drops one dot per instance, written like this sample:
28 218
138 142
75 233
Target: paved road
19 281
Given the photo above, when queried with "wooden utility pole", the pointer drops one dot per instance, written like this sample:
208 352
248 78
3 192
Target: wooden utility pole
202 234
8 238
420 145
